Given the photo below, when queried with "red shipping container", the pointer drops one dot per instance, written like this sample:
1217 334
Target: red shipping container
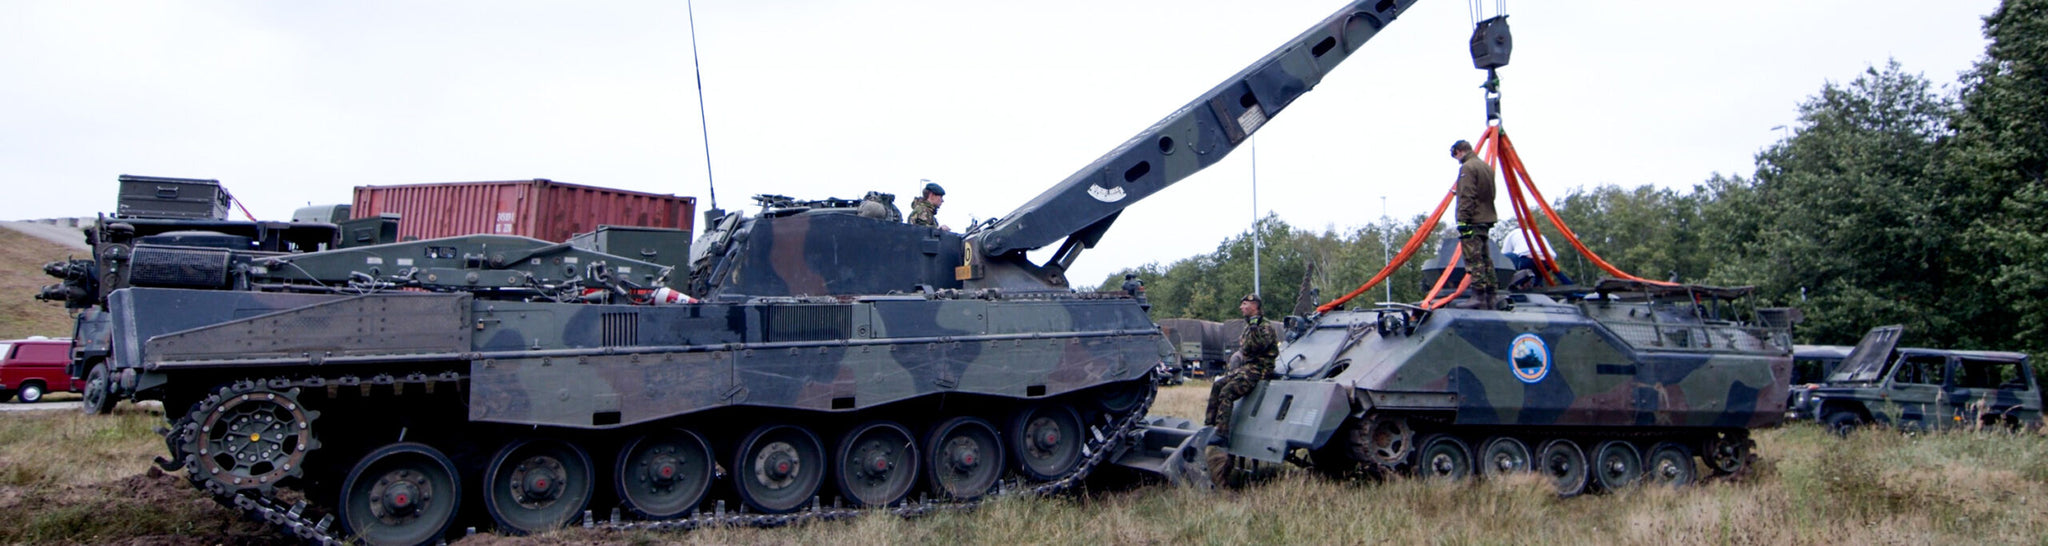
541 208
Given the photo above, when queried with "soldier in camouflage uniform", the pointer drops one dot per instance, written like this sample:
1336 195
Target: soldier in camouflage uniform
1475 221
1254 359
924 211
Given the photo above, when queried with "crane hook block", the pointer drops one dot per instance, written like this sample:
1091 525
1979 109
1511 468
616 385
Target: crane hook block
1491 43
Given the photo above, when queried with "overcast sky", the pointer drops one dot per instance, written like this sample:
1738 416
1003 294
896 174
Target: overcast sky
290 103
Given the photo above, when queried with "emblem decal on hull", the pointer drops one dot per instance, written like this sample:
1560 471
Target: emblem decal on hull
1106 195
1529 357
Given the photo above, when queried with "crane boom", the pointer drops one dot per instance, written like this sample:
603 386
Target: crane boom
1081 208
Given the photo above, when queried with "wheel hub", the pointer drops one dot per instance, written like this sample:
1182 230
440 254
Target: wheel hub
1044 434
963 454
536 481
399 495
662 470
777 465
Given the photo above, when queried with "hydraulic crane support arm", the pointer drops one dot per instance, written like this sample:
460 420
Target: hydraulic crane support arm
1190 139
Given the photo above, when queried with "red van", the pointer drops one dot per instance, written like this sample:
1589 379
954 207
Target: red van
34 366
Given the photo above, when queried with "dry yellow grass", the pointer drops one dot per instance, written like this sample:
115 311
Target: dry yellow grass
1810 487
21 276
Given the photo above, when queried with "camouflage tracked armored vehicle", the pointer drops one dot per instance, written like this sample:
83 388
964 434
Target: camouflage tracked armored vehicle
410 388
1922 389
1630 381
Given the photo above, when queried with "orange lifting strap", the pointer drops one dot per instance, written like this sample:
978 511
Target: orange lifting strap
1499 152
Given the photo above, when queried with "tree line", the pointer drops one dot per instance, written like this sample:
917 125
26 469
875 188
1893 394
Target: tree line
1890 202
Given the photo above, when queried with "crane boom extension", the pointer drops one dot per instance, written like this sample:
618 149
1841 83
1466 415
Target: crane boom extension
1081 208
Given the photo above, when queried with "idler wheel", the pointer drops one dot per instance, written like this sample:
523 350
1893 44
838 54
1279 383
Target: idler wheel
401 494
964 458
1048 441
779 468
1503 455
1728 453
252 440
1670 464
877 464
1444 457
664 473
1565 464
1616 464
537 485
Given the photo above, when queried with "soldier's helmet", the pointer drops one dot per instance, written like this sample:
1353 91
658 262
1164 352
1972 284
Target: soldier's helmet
934 189
1252 297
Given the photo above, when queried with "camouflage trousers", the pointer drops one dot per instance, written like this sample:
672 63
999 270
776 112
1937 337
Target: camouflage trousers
1234 385
1478 258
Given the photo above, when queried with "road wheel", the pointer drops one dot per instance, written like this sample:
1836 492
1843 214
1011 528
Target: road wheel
1670 464
779 468
1048 441
31 393
98 401
1565 464
877 464
1843 422
1616 464
1444 457
401 494
1503 455
664 473
537 485
964 458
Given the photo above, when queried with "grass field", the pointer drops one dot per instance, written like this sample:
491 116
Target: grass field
70 478
21 276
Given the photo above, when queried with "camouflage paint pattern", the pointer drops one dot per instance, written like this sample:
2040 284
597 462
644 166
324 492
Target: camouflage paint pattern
1608 365
601 366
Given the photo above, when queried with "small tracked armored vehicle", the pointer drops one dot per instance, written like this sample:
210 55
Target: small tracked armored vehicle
1599 388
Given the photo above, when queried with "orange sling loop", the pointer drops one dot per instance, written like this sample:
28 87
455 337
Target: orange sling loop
1415 240
1529 231
1514 161
1430 301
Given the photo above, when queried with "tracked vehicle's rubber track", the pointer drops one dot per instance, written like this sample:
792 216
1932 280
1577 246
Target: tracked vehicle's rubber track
261 503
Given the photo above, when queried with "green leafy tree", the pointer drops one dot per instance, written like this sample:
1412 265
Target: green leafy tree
2000 152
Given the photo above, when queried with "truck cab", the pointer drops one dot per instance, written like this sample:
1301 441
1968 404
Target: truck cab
1913 388
30 368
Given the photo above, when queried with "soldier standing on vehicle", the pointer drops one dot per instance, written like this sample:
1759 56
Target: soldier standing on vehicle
1475 220
924 211
1252 363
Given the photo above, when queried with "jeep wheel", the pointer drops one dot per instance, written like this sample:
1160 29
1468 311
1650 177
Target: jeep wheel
1843 422
98 401
31 393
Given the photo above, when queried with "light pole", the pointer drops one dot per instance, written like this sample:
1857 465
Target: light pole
1386 249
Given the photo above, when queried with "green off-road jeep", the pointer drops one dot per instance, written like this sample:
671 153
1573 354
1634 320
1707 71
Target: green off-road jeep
1923 389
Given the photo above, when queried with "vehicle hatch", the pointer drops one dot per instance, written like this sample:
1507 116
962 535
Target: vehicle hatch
1866 362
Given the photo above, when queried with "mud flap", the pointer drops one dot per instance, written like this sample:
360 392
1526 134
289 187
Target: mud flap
1169 448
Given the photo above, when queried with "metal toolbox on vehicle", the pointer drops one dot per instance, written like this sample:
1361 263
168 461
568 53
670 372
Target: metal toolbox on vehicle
670 247
171 198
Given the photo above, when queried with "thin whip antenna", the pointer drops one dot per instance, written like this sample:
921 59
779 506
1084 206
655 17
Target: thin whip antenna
702 123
